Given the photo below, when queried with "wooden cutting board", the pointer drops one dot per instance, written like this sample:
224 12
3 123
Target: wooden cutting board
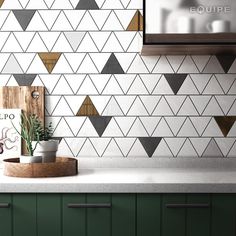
30 99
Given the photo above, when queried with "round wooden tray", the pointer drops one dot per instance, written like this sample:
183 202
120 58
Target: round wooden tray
62 167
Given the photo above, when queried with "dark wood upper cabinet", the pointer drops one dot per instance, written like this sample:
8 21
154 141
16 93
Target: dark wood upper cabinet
189 27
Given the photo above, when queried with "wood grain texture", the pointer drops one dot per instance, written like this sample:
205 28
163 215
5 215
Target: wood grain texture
136 24
87 108
1 2
49 59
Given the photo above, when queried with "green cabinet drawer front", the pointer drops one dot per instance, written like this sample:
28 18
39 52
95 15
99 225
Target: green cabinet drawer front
198 220
24 214
123 214
5 216
223 215
173 220
98 219
49 214
148 215
74 219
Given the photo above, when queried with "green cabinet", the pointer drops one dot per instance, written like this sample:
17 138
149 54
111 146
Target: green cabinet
92 214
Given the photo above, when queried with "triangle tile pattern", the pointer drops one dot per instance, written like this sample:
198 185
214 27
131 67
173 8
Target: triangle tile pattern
150 144
87 5
100 123
136 23
87 108
175 81
24 17
49 60
225 123
112 66
226 61
25 79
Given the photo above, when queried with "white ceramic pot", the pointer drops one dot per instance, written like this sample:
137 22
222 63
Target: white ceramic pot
30 159
47 149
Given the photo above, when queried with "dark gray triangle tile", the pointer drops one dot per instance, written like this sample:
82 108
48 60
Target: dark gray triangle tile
24 17
212 150
226 61
100 123
87 5
175 81
112 66
225 123
24 79
150 144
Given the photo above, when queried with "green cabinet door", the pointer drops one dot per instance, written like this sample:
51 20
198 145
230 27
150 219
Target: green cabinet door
5 215
24 214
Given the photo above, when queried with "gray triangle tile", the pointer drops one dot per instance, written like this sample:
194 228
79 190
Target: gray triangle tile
226 61
150 144
112 66
87 5
212 150
24 79
100 123
24 17
175 81
213 66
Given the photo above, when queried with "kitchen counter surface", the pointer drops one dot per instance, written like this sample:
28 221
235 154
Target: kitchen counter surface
113 180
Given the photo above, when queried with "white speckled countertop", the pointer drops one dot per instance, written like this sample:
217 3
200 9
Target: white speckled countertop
112 176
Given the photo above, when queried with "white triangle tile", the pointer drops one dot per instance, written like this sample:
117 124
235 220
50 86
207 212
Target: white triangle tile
163 108
100 102
213 66
200 102
233 89
100 60
87 23
187 130
99 17
187 108
175 144
11 23
125 123
137 108
137 150
188 66
49 39
100 81
37 23
37 45
125 38
39 4
137 66
150 62
62 108
213 108
24 3
3 37
99 3
125 17
150 123
3 59
112 108
175 61
74 59
137 129
200 80
233 68
74 102
75 123
100 144
62 87
64 150
112 44
87 130
137 87
24 38
62 23
225 81
87 66
212 130
232 132
162 150
62 45
136 44
150 102
187 150
37 66
74 17
87 44
212 150
49 19
201 61
4 79
213 87
62 130
51 102
112 4
11 4
11 45
62 66
112 23
37 82
163 66
3 16
225 102
175 102
175 123
125 144
225 144
200 123
49 81
112 130
232 151
112 87
232 111
88 150
188 87
138 4
12 82
112 150
125 81
200 144
162 87
162 130
87 87
75 144
125 59
125 3
12 66
61 4
125 102
100 38
24 60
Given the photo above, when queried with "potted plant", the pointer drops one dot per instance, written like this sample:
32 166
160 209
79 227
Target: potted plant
29 136
47 147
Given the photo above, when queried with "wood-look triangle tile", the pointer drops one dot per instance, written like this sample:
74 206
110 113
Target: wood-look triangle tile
136 24
87 108
49 60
